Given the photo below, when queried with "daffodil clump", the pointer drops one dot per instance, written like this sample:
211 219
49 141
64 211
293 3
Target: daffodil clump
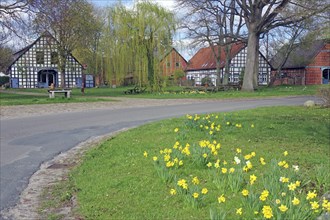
242 184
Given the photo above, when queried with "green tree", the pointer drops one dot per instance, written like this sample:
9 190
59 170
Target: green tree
71 22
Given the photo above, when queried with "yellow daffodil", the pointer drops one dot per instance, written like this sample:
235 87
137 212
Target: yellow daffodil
180 163
176 130
232 170
253 178
277 201
262 161
205 155
311 195
283 194
267 211
224 170
295 201
292 186
204 191
239 211
285 153
314 206
284 179
145 154
238 150
298 183
326 205
195 195
283 208
221 199
209 164
173 192
252 125
154 158
195 180
245 192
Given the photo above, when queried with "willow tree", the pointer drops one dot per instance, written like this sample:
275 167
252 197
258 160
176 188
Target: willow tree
152 30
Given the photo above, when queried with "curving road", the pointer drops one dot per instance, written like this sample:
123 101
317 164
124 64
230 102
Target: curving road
27 142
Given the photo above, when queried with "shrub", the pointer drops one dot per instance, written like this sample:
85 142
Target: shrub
4 80
324 94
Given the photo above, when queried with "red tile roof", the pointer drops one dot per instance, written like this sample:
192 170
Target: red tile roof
204 59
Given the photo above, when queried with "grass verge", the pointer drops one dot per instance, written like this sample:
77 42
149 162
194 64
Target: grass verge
40 96
122 179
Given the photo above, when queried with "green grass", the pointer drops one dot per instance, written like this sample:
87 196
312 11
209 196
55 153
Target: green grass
40 96
115 180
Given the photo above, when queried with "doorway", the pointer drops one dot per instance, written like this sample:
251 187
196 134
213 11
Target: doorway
325 76
46 78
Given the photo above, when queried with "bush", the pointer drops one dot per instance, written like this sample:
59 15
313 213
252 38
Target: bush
4 80
324 94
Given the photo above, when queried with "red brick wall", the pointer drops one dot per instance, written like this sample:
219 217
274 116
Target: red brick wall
313 71
173 57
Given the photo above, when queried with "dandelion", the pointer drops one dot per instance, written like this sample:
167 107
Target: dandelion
195 180
311 195
245 192
176 130
285 153
283 208
221 199
195 195
154 158
173 192
145 154
295 201
239 211
267 211
204 191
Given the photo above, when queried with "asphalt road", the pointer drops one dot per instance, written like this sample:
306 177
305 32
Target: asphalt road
27 142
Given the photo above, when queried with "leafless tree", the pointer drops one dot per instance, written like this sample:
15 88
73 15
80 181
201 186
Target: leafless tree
216 24
14 18
262 16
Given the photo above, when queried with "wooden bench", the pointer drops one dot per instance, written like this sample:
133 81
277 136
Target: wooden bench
66 92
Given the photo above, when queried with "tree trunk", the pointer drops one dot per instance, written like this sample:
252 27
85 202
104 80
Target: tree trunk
227 64
251 62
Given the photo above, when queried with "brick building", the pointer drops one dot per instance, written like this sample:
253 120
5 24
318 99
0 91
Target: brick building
306 65
171 62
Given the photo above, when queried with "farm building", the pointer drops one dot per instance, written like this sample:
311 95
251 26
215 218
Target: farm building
203 64
307 64
36 66
171 62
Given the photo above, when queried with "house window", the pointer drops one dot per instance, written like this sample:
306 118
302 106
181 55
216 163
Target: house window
54 58
168 64
40 57
177 64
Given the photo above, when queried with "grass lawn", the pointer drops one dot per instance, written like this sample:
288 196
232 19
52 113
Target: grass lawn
40 96
192 168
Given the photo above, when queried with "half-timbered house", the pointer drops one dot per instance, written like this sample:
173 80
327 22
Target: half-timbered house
203 64
37 66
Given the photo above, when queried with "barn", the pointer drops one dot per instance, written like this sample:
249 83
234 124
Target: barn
37 66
